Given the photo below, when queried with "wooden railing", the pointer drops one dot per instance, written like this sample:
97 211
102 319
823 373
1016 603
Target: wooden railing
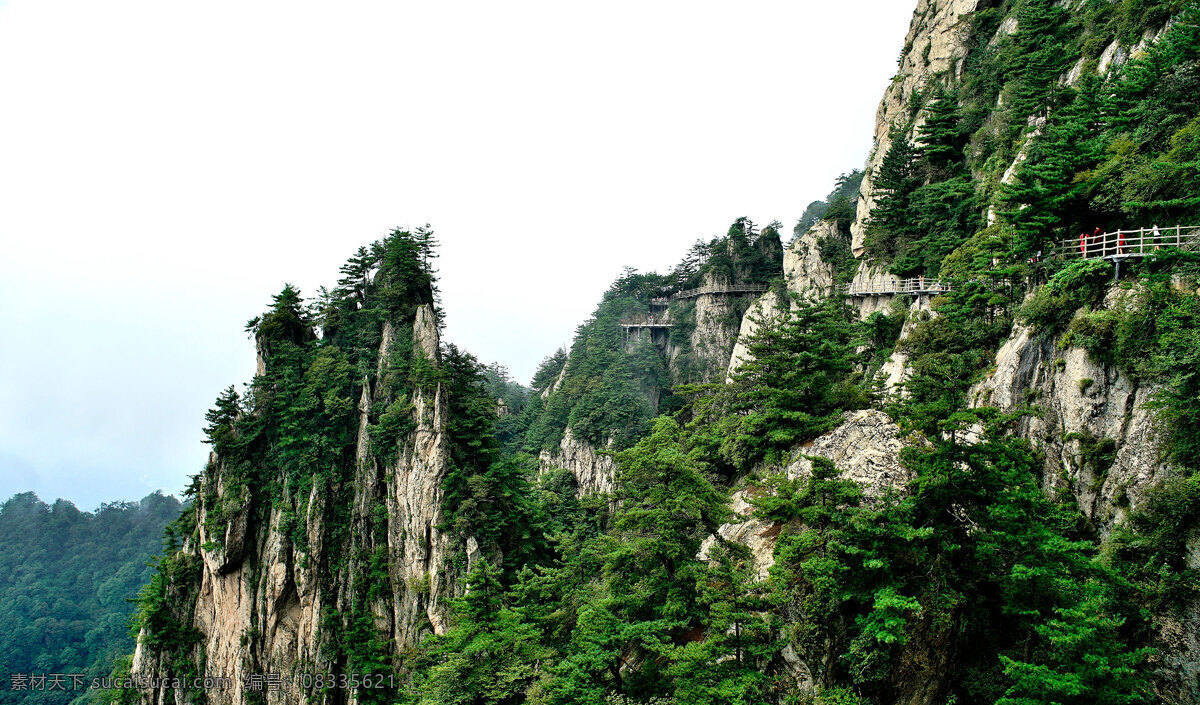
727 289
916 285
1122 244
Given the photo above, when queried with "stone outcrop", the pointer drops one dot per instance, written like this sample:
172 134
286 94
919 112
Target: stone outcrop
753 533
1177 663
1103 446
1093 422
765 310
806 274
894 371
865 447
266 589
414 508
714 334
594 471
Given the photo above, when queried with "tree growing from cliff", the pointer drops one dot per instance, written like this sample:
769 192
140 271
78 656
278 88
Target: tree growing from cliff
793 387
1049 194
492 654
635 620
940 139
840 204
893 185
487 496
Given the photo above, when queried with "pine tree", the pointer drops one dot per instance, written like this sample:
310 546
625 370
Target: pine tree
286 321
794 386
219 431
634 620
487 496
1040 57
355 275
939 149
728 663
893 185
1082 659
812 572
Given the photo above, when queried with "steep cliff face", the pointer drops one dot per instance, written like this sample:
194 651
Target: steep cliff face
937 42
804 271
1100 440
717 318
763 312
806 274
892 373
316 545
269 598
339 572
593 471
420 576
865 448
703 355
616 378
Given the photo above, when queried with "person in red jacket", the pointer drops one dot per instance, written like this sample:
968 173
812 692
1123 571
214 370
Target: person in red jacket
1098 242
1083 244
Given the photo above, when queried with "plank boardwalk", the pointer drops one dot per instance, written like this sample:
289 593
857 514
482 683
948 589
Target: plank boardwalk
727 289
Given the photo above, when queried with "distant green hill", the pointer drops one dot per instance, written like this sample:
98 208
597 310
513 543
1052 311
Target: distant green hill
65 580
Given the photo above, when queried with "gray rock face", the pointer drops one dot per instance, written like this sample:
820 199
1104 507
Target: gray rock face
1178 661
593 471
414 505
894 371
714 335
764 311
1084 405
808 275
865 448
755 534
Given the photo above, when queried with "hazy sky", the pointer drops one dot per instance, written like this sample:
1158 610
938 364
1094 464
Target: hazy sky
166 166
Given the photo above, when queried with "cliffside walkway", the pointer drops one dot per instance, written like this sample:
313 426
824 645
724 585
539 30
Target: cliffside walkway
727 289
1132 244
650 322
916 285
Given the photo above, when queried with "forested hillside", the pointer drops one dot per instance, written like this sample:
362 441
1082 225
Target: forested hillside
67 579
610 384
774 474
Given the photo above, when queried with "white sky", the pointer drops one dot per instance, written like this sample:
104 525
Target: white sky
166 166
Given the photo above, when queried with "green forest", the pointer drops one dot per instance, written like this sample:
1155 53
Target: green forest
980 580
67 581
